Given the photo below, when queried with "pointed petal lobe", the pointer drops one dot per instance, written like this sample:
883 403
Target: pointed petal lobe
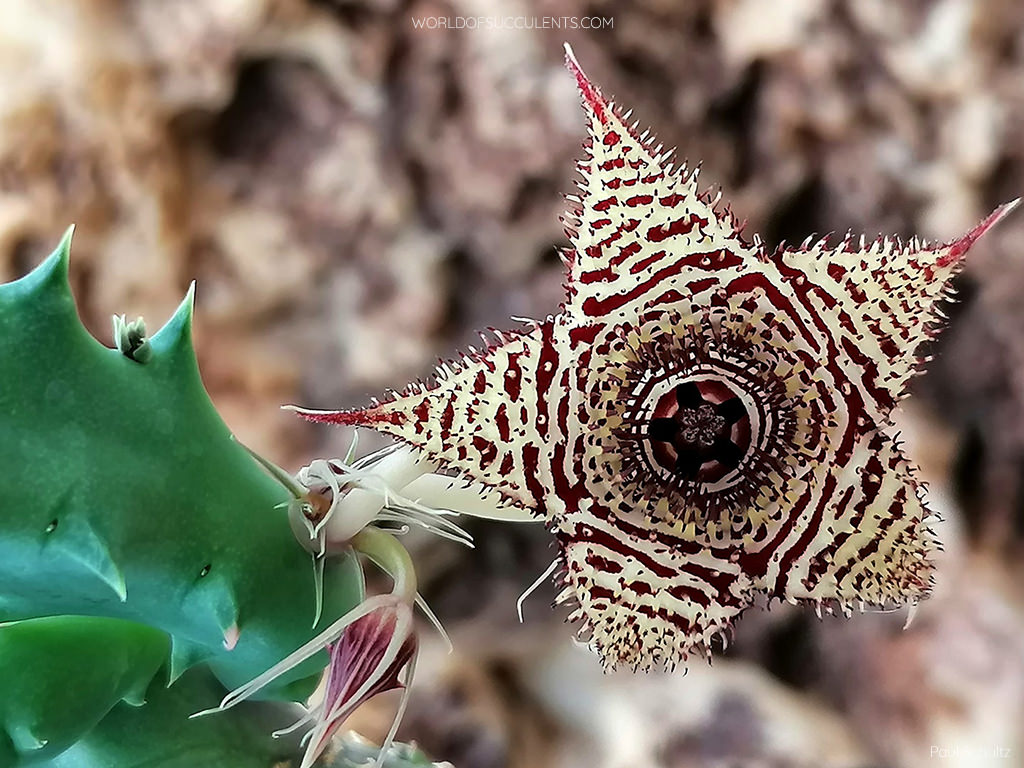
477 417
879 304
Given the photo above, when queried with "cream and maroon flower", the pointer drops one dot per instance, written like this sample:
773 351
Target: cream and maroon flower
705 420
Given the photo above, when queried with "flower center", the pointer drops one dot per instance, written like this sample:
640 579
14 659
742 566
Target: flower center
697 423
698 430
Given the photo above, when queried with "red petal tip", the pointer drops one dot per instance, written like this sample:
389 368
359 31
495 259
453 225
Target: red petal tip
367 417
591 95
960 247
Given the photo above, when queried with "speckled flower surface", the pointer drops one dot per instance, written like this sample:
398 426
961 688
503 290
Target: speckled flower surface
705 420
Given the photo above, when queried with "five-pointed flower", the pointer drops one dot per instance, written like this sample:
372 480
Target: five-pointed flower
705 420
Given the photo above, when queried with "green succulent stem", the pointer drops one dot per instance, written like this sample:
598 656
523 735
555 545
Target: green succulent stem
125 500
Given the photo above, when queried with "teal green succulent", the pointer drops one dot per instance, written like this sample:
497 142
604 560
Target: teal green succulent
138 539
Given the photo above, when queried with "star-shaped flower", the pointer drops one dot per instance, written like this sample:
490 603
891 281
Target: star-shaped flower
705 420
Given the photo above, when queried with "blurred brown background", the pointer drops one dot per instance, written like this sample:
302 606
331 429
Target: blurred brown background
356 195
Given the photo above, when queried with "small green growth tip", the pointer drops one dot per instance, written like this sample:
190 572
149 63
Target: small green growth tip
130 339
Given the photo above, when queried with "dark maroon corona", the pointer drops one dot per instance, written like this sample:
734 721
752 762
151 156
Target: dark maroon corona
696 434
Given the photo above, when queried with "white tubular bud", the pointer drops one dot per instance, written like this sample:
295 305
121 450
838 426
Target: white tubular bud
374 486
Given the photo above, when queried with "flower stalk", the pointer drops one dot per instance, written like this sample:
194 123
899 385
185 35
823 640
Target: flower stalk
360 505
